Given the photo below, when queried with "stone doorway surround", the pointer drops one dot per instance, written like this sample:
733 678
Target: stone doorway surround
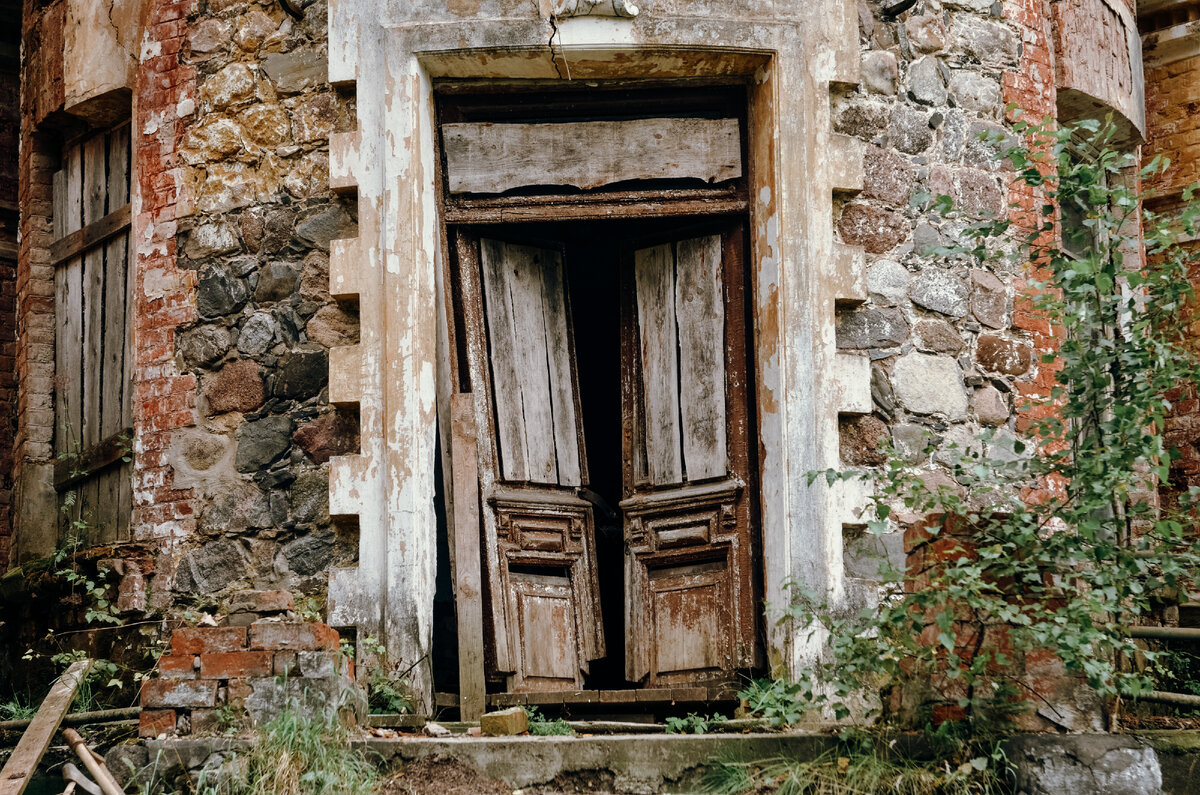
789 54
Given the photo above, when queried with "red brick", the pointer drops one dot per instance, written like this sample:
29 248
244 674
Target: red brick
153 722
229 665
296 636
177 666
207 640
174 693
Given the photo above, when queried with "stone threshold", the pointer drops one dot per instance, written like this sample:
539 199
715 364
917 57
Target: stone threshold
1149 762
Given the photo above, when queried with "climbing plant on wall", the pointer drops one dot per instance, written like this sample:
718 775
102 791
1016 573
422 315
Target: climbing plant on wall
1027 572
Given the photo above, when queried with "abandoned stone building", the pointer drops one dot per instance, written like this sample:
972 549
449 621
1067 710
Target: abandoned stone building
504 331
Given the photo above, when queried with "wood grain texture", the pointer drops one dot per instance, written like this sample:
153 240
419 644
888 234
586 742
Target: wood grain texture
699 307
483 157
691 604
530 349
468 252
560 356
506 389
531 358
19 768
654 272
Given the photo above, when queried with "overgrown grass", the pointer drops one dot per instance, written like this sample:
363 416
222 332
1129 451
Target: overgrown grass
860 774
296 753
18 708
541 726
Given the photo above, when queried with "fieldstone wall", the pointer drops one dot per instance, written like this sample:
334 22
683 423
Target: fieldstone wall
256 235
948 356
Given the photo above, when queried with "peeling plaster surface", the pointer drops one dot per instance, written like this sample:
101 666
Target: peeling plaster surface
393 51
106 31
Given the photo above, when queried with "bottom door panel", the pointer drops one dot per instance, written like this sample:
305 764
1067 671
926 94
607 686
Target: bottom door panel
689 617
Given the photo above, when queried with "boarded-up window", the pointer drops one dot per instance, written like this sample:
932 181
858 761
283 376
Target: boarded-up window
92 406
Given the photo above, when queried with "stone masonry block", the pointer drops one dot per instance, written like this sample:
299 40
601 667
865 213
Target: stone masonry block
228 665
153 722
321 664
207 640
261 602
286 664
505 722
174 693
297 636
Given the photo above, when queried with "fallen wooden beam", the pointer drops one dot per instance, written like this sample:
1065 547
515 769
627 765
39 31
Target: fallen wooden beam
78 718
36 739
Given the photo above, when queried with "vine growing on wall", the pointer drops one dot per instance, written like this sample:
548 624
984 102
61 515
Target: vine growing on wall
1050 547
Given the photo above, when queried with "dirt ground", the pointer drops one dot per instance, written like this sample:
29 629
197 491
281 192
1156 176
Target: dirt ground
442 775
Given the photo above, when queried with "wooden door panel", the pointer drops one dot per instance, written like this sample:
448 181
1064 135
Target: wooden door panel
699 307
691 605
538 533
530 353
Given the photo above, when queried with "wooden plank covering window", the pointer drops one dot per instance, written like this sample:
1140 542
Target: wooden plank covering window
93 407
488 158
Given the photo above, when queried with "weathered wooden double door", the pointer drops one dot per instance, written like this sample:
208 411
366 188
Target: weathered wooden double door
689 572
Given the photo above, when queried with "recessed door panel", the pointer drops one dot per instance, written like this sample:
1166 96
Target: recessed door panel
690 603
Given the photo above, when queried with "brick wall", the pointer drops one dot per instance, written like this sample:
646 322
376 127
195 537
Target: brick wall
1173 131
10 126
164 397
253 667
41 96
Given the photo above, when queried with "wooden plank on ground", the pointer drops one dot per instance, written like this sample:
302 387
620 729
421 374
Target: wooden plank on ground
505 386
699 307
33 744
484 157
468 585
654 275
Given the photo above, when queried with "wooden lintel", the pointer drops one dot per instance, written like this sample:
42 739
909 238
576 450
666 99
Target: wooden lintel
90 236
19 769
665 208
69 471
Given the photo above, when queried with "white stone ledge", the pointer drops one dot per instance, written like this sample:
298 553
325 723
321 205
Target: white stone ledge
851 384
343 161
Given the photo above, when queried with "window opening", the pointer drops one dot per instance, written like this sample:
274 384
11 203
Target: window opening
93 400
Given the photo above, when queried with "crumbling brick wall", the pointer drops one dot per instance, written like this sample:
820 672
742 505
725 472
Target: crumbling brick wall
10 123
1173 132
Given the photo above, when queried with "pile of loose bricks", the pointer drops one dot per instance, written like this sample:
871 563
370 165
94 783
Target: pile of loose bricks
259 661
